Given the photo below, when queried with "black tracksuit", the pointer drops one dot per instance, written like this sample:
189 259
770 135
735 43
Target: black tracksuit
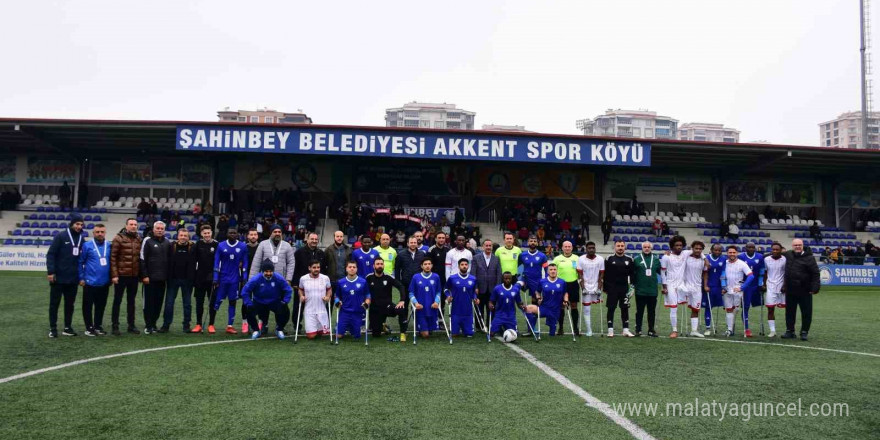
154 265
382 303
204 257
61 262
181 273
619 275
437 255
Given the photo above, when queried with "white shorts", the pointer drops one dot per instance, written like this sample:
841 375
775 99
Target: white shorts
588 298
775 299
693 297
732 300
317 323
674 296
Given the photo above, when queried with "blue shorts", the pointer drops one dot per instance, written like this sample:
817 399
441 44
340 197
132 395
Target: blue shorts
462 324
717 300
426 320
533 287
226 291
350 322
507 323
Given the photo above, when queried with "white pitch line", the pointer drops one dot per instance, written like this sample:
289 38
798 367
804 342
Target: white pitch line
116 355
627 424
805 347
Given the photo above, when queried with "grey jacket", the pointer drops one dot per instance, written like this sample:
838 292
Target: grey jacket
488 276
286 261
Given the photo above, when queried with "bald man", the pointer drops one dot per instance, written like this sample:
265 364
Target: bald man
388 253
801 283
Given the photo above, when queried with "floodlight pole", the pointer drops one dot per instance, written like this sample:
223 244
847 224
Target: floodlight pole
864 74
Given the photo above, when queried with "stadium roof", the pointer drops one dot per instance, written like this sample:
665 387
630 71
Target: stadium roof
80 138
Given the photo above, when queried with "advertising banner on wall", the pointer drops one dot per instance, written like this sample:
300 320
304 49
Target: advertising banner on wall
7 168
660 189
405 180
23 258
859 195
530 183
136 173
846 275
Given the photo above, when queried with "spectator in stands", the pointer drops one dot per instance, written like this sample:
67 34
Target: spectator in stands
585 223
143 208
768 212
523 234
512 225
859 256
752 218
815 232
607 225
154 208
565 224
680 212
869 248
207 208
82 199
62 268
64 194
633 207
665 228
197 209
781 214
657 227
826 255
835 256
733 231
541 234
222 227
725 228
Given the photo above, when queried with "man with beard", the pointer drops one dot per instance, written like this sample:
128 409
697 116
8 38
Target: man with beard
154 274
381 287
125 263
204 251
281 254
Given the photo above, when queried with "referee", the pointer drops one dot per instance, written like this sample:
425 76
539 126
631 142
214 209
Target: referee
566 266
619 275
382 306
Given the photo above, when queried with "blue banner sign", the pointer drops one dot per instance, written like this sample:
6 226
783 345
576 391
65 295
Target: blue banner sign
413 144
846 275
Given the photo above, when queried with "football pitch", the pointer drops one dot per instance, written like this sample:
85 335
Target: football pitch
220 386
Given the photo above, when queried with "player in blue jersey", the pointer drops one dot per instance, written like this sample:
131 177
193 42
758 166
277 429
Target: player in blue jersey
364 257
715 264
352 299
424 295
503 302
752 295
533 263
230 272
550 299
461 292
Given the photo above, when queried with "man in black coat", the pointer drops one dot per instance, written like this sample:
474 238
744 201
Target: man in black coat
801 283
155 253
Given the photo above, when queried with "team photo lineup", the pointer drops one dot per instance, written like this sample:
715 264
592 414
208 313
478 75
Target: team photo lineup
480 289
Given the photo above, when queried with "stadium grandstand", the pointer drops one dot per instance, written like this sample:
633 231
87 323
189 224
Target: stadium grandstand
374 180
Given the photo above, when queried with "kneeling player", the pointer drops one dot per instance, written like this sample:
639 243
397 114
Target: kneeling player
774 282
424 295
503 302
352 299
314 292
461 294
550 301
737 277
267 292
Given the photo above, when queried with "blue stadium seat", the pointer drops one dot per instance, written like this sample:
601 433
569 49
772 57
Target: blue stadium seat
25 224
616 238
85 234
8 242
90 226
657 247
97 218
42 217
630 247
26 233
16 232
29 242
87 218
45 225
19 242
665 247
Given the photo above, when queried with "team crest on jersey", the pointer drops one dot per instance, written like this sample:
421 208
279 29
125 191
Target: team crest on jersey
470 283
357 285
626 263
384 282
237 250
212 249
432 282
273 283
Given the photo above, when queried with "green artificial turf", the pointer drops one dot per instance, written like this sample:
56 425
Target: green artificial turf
471 389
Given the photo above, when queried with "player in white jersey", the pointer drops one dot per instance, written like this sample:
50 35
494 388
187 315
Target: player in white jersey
692 284
737 277
774 282
314 293
672 268
591 271
454 255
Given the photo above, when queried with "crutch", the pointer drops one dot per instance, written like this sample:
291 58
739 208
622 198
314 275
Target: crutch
415 322
711 312
762 313
479 319
571 323
330 318
337 324
367 333
538 323
299 310
443 320
530 325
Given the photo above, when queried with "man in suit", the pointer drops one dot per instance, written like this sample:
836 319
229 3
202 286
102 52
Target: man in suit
487 269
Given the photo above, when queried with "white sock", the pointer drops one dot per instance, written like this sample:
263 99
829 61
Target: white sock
695 322
772 323
587 321
729 318
673 318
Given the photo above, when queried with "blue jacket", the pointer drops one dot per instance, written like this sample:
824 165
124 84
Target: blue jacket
265 291
90 269
60 260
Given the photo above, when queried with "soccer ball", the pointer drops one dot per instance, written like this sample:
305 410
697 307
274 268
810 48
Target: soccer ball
509 335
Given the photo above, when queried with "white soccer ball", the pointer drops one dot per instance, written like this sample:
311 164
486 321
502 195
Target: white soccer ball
509 335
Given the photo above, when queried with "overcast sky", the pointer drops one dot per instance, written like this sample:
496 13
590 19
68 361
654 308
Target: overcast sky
772 68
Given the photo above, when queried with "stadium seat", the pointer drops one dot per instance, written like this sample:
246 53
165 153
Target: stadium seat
629 247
